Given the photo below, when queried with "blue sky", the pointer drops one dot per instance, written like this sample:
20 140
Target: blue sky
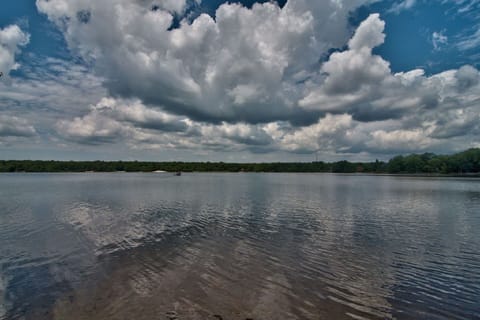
46 39
409 42
239 119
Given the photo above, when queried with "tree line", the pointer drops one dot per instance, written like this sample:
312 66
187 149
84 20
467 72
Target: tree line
467 162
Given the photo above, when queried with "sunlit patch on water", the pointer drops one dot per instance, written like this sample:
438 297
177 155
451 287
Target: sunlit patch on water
238 246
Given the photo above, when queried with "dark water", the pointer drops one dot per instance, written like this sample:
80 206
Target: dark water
238 246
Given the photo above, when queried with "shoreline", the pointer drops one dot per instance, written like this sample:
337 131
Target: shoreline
413 175
463 164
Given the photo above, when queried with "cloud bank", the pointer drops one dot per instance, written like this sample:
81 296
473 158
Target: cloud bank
260 80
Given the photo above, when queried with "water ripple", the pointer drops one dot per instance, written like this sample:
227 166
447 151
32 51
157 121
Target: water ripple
238 246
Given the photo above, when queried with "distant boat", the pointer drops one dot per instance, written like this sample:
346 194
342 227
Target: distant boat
178 174
159 171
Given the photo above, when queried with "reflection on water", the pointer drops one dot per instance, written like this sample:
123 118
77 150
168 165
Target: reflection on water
238 246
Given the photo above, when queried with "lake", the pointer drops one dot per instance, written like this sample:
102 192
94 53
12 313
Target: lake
238 246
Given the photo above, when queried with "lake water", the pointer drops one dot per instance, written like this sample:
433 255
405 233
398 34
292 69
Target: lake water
238 246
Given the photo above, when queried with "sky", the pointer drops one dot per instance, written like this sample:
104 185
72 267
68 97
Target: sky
211 80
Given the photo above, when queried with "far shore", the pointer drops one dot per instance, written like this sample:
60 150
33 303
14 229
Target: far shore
462 164
412 175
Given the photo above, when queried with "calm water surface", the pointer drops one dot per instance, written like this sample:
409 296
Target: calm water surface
238 246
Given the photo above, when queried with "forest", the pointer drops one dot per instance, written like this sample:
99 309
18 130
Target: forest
463 163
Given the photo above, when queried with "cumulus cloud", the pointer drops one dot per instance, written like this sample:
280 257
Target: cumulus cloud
467 77
232 68
323 135
174 6
369 34
136 113
91 129
12 38
360 83
256 80
112 120
401 140
117 120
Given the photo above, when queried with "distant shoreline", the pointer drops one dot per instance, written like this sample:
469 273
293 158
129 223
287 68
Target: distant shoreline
426 175
463 164
406 175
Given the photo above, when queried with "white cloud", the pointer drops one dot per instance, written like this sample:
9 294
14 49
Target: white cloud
53 83
470 41
370 109
352 75
439 40
402 6
11 39
11 126
369 33
116 120
51 89
249 80
402 140
360 83
113 120
467 77
323 135
91 129
231 68
175 6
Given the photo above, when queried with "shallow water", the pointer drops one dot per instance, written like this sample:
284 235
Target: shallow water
238 246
